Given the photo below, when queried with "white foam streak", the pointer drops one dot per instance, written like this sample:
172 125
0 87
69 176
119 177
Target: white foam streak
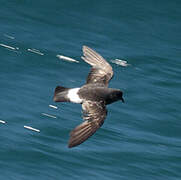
48 115
30 128
67 58
120 62
52 106
7 46
3 122
36 51
8 36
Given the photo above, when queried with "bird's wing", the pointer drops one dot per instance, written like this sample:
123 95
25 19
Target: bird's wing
101 71
94 114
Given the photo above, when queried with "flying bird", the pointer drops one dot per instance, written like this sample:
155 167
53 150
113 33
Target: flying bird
94 96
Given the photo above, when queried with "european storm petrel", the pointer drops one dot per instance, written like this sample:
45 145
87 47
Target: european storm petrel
94 96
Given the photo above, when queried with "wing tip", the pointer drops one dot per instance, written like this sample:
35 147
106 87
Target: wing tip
84 47
88 49
70 145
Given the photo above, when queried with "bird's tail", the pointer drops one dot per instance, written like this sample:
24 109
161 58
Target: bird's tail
60 94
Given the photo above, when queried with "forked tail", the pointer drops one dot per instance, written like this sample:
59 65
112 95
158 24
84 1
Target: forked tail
60 94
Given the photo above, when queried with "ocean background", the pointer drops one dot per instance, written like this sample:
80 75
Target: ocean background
140 139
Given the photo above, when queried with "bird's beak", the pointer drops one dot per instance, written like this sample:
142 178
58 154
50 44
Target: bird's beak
122 99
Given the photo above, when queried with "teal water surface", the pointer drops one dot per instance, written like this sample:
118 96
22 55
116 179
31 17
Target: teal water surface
140 139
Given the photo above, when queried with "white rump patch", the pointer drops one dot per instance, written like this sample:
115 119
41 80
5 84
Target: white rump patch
73 96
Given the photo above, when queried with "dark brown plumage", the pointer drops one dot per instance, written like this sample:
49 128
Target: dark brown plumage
101 71
94 114
94 96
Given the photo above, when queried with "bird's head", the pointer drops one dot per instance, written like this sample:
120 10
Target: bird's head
116 95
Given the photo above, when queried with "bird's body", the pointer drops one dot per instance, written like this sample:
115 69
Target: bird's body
94 96
96 92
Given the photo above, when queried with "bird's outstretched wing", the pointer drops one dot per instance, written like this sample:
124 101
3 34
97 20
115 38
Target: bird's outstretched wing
94 114
101 71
